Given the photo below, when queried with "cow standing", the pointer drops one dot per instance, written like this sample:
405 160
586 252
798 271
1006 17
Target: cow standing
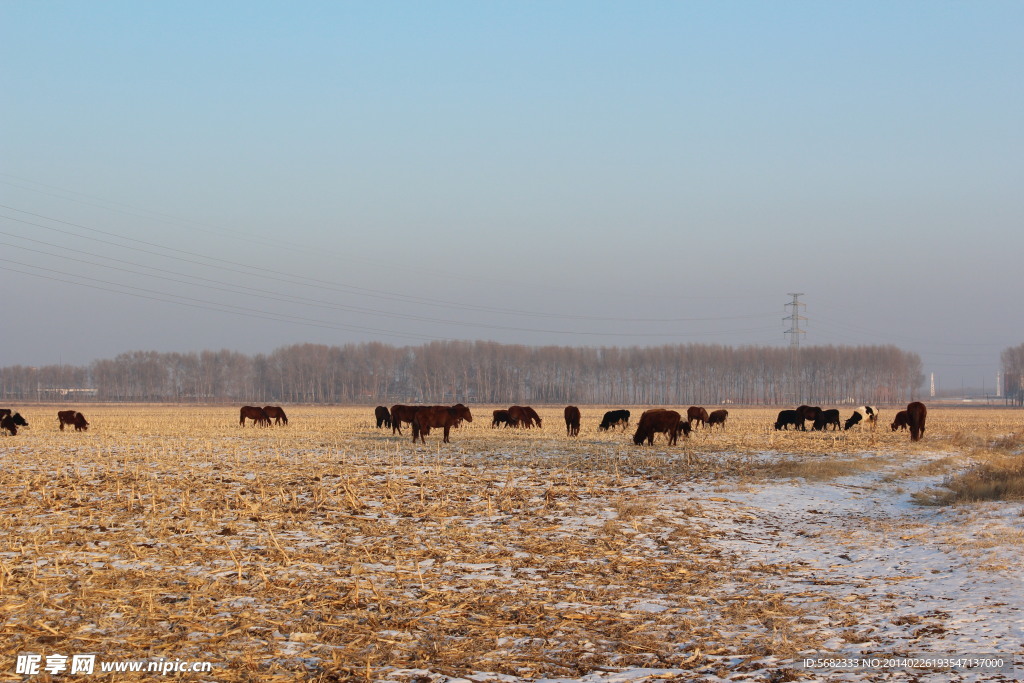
445 417
826 418
572 421
717 417
696 414
863 415
916 414
401 413
72 418
787 418
805 414
659 420
501 417
522 416
614 418
276 413
9 422
256 414
383 416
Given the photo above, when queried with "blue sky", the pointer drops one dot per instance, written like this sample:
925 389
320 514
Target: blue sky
247 175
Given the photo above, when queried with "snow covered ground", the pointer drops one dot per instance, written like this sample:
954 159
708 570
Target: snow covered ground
892 589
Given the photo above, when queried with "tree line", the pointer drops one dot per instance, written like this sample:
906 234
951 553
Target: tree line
485 372
1013 374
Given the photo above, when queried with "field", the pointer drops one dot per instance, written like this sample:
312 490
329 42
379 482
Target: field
330 550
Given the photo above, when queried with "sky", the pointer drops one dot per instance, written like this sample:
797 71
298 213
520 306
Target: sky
248 175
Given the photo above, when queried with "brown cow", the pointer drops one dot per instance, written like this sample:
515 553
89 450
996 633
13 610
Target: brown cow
500 417
717 417
534 417
520 417
438 416
401 413
900 421
256 414
804 413
383 416
72 418
659 420
276 413
696 414
916 414
572 421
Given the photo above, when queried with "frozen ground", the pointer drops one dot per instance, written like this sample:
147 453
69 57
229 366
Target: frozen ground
317 554
913 582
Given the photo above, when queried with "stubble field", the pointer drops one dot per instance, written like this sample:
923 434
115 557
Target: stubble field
330 550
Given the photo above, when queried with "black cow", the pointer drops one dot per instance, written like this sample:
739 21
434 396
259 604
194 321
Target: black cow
10 422
383 416
786 418
826 418
500 417
614 418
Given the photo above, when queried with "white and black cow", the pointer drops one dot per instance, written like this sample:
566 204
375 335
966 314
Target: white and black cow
865 414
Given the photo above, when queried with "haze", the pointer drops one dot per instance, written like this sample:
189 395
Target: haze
191 175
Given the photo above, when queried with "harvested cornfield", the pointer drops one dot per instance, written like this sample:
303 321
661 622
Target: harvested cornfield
330 550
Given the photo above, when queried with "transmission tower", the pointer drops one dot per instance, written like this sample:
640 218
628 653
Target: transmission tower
794 320
795 373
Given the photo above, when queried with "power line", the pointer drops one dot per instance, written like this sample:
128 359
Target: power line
223 265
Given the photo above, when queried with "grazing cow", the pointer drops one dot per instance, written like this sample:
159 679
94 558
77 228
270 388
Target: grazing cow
500 417
717 417
865 414
786 418
826 418
276 413
256 414
696 414
659 420
900 421
572 421
614 418
383 416
401 413
72 418
519 417
438 416
916 414
10 422
18 419
806 413
534 417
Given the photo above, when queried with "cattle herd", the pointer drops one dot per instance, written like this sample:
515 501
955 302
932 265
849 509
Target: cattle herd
913 418
655 421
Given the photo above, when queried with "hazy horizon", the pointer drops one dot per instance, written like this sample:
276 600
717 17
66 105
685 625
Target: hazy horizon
249 176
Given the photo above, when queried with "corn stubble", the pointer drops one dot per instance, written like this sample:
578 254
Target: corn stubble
330 550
